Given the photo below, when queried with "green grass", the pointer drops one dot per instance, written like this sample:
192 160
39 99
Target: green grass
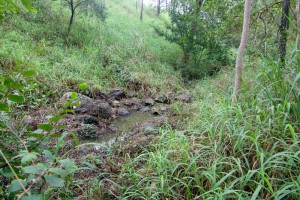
247 151
105 54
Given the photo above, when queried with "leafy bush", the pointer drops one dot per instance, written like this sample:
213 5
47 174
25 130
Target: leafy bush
200 36
12 6
31 163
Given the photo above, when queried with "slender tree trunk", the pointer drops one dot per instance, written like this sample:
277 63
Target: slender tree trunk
136 5
142 10
158 8
72 15
283 29
242 47
199 5
297 24
167 5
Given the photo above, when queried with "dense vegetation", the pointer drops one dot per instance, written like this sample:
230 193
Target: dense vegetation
210 148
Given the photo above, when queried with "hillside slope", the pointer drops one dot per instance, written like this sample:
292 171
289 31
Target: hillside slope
106 54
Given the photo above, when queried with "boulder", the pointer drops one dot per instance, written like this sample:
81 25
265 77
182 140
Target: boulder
163 98
131 94
123 112
133 103
87 131
159 110
117 93
87 119
104 110
145 109
183 97
88 106
86 103
116 104
149 102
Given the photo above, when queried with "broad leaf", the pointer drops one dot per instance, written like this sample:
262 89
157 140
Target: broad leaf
46 127
29 73
15 185
16 98
54 181
34 169
8 82
83 86
33 197
29 157
4 107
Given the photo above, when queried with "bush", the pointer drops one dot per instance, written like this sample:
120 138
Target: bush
30 165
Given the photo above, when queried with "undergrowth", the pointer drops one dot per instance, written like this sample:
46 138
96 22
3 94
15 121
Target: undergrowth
247 151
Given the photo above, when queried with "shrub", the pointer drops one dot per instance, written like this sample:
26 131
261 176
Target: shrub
31 163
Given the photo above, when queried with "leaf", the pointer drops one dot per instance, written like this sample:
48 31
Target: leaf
36 135
8 82
48 154
16 98
55 135
29 157
55 119
46 127
74 95
256 192
27 4
33 197
4 107
54 181
38 131
67 163
29 73
6 172
59 171
83 86
34 169
15 185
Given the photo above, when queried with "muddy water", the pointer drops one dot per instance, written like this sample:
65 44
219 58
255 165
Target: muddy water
122 124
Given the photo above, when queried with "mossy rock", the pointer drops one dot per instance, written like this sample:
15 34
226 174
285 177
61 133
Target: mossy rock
88 131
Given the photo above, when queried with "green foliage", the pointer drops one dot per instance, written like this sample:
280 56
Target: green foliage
200 28
29 159
12 6
100 9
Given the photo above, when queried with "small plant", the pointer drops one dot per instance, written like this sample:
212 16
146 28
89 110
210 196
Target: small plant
31 163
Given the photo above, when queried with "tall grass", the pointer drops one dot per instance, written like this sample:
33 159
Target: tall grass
247 151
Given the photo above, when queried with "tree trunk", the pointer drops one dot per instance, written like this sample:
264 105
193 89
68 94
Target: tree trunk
297 24
199 5
242 47
283 30
167 5
142 9
158 8
136 5
72 15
